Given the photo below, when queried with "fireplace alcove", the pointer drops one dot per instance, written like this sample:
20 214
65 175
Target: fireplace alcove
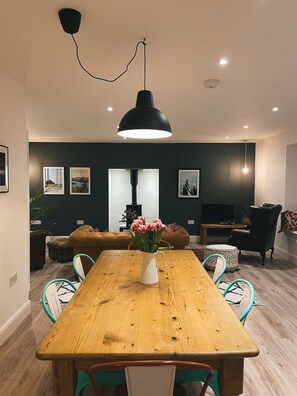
122 194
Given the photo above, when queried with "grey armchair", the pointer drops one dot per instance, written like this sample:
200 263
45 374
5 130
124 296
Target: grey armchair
261 233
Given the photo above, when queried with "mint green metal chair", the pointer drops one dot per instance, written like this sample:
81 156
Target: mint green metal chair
50 300
78 267
152 376
52 307
247 299
220 266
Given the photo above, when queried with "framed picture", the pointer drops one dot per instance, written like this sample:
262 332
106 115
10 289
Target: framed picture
3 168
80 181
188 183
53 180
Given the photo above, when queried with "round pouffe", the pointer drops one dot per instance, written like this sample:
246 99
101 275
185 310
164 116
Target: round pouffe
229 252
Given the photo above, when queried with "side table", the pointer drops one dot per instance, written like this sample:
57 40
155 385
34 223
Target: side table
205 227
37 249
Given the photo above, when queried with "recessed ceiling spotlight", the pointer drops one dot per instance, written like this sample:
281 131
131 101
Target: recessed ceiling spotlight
226 137
246 126
274 108
109 108
223 61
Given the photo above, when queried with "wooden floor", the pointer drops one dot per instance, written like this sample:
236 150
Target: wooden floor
273 327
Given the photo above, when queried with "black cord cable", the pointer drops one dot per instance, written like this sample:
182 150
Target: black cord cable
120 75
144 65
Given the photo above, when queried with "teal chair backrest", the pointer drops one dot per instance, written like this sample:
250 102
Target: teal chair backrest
219 268
78 266
247 300
50 299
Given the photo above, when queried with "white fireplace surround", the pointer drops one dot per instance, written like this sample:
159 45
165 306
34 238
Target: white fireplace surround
120 194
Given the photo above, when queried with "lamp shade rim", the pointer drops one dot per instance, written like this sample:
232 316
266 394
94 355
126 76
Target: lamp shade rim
144 134
144 121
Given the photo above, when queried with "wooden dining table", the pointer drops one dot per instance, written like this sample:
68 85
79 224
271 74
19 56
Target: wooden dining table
114 317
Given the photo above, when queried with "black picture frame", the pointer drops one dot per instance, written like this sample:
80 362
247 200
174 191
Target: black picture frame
4 170
188 183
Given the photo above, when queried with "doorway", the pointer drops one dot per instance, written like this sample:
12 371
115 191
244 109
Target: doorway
120 194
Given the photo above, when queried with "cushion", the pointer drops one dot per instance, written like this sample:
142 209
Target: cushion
171 227
288 220
85 228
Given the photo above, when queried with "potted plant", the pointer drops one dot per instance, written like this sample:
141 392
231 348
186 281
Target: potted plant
128 216
41 225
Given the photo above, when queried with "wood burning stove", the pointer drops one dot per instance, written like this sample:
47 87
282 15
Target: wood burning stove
134 207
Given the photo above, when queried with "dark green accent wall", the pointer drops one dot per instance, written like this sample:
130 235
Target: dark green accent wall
221 178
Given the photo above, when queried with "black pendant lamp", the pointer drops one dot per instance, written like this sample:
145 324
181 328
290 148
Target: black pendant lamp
144 121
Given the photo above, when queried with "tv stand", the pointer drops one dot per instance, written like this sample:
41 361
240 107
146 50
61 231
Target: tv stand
205 227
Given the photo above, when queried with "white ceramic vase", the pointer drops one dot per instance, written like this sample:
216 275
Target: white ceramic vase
149 268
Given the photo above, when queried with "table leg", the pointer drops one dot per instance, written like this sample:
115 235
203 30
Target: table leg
230 377
203 235
64 377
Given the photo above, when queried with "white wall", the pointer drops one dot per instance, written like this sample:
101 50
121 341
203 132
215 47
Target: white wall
270 184
14 222
291 177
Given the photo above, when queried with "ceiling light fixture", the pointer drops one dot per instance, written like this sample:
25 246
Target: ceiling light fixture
142 122
245 169
223 61
275 109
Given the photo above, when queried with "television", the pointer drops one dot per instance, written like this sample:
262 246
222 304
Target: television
217 213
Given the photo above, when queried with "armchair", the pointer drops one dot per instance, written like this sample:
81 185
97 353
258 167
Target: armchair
261 233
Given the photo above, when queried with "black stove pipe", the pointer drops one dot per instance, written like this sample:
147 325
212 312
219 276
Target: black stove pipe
134 182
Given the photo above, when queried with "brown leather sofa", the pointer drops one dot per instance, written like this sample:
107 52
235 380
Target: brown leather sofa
88 240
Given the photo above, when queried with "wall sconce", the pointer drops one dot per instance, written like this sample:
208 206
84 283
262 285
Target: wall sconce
245 169
143 121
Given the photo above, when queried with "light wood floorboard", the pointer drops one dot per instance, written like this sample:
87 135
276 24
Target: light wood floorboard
273 327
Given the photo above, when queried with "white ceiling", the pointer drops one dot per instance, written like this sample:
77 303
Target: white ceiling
185 40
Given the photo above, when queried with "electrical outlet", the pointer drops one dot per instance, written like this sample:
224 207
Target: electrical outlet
13 279
36 222
191 221
79 222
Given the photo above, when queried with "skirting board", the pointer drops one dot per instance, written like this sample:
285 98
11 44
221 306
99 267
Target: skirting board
11 325
286 255
194 238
